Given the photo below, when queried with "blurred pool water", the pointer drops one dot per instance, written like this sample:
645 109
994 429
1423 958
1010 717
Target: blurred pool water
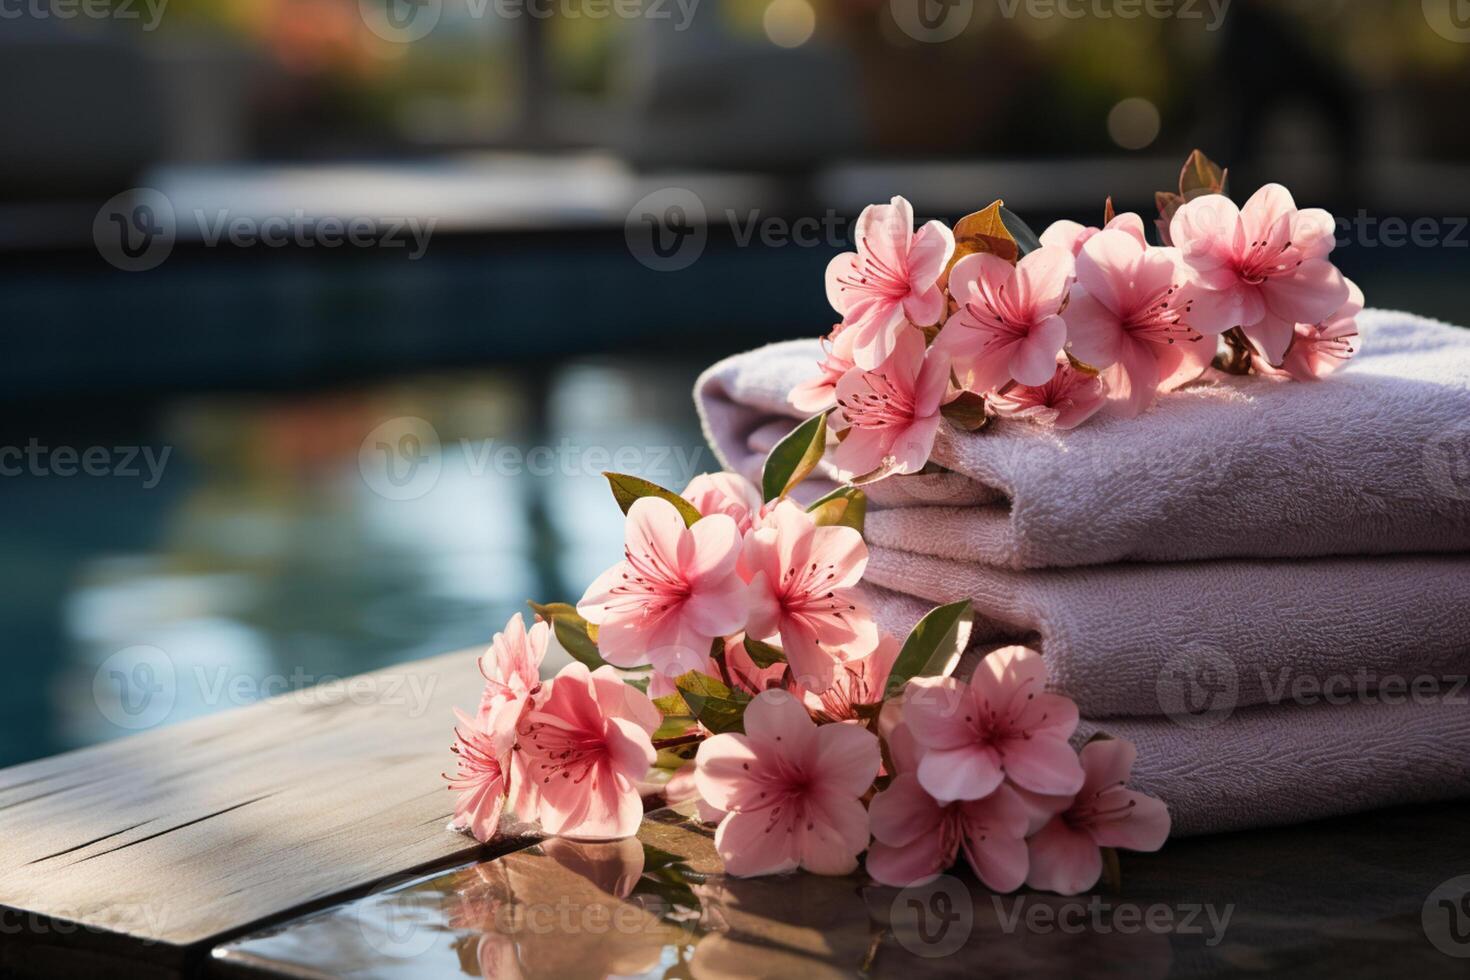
282 540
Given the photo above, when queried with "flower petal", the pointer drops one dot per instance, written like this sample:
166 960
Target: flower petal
1034 360
903 812
778 716
835 833
847 759
966 773
1144 829
747 849
710 550
1063 860
1041 763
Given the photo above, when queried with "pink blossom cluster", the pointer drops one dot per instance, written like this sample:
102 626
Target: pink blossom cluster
830 757
569 752
982 769
1094 319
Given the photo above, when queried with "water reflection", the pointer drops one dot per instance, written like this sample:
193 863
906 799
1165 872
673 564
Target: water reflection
292 539
657 907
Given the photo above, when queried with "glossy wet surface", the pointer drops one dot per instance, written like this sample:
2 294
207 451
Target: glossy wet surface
1364 895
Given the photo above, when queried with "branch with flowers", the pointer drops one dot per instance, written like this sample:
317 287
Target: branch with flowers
991 321
733 648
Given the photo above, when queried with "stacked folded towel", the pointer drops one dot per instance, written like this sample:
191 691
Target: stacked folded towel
1266 586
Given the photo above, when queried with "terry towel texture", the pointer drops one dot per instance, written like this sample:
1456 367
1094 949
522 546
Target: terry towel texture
1277 549
1362 463
1221 764
1108 633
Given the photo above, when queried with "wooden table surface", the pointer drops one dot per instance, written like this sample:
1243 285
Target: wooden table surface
160 843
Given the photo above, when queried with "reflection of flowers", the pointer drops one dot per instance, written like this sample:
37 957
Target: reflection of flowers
806 925
561 912
613 866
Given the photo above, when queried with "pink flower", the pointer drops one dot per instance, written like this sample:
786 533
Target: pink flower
1268 259
584 749
1003 724
890 281
916 837
855 684
892 413
1007 326
1141 310
481 779
1070 398
803 582
820 393
1072 236
790 790
673 594
1320 349
1064 853
512 672
725 493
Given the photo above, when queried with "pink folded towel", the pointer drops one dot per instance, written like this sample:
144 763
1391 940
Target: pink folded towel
1372 460
1110 633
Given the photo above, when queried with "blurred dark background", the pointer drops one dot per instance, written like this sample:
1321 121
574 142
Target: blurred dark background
239 455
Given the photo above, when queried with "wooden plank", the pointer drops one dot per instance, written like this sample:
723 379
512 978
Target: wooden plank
178 836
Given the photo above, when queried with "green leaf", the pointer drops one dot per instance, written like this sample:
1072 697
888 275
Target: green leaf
671 705
552 611
843 507
763 654
794 457
967 412
717 707
572 634
934 645
626 489
672 727
1026 239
